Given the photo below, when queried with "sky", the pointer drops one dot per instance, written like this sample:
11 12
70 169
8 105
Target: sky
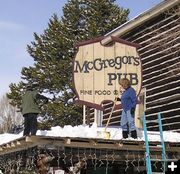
19 19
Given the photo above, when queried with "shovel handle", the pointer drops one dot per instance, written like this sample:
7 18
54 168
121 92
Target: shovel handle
111 113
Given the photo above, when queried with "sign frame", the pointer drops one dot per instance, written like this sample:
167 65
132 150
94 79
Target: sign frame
93 41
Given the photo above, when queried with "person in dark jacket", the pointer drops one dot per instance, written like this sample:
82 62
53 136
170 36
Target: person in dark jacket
30 109
128 100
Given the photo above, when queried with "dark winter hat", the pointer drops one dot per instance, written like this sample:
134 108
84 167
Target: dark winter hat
28 87
31 86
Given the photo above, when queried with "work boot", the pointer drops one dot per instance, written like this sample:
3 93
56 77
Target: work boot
125 134
134 134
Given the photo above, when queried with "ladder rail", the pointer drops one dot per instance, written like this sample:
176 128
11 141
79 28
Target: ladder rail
148 159
162 141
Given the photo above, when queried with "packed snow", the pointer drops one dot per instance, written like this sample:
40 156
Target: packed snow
85 131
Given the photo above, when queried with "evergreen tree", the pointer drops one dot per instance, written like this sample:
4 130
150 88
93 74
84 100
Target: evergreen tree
54 50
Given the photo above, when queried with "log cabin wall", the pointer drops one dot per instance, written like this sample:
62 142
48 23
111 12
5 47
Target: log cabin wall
160 41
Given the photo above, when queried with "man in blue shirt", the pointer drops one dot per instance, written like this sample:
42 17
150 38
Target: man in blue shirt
128 100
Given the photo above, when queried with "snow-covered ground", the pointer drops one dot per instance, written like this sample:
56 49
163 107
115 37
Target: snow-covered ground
85 131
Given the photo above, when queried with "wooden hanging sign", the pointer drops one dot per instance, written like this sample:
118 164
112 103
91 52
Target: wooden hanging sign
98 68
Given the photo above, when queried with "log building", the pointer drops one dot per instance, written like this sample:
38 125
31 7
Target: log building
158 32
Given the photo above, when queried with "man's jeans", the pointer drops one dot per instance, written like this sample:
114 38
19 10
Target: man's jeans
127 121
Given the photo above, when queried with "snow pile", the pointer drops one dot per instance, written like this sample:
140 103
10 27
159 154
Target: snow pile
85 131
69 131
5 138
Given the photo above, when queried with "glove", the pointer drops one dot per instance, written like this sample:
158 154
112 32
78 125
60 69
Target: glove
46 101
117 99
132 112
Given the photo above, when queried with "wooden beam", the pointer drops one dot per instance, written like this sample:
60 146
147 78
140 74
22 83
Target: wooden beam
67 141
121 145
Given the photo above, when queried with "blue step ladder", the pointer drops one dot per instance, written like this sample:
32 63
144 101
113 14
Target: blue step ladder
148 158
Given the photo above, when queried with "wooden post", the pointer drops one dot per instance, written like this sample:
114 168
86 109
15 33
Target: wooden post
95 116
84 114
88 115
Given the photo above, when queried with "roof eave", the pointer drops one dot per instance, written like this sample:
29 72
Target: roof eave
140 19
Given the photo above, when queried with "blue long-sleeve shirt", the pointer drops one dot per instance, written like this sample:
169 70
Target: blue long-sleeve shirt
129 99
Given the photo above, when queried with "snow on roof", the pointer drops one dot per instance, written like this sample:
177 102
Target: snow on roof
84 131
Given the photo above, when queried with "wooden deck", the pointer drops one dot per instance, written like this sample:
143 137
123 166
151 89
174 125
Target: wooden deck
118 147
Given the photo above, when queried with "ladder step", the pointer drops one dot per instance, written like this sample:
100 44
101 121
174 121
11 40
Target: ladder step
167 160
158 147
151 121
153 133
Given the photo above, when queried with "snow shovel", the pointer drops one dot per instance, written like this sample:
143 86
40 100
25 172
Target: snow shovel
104 134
